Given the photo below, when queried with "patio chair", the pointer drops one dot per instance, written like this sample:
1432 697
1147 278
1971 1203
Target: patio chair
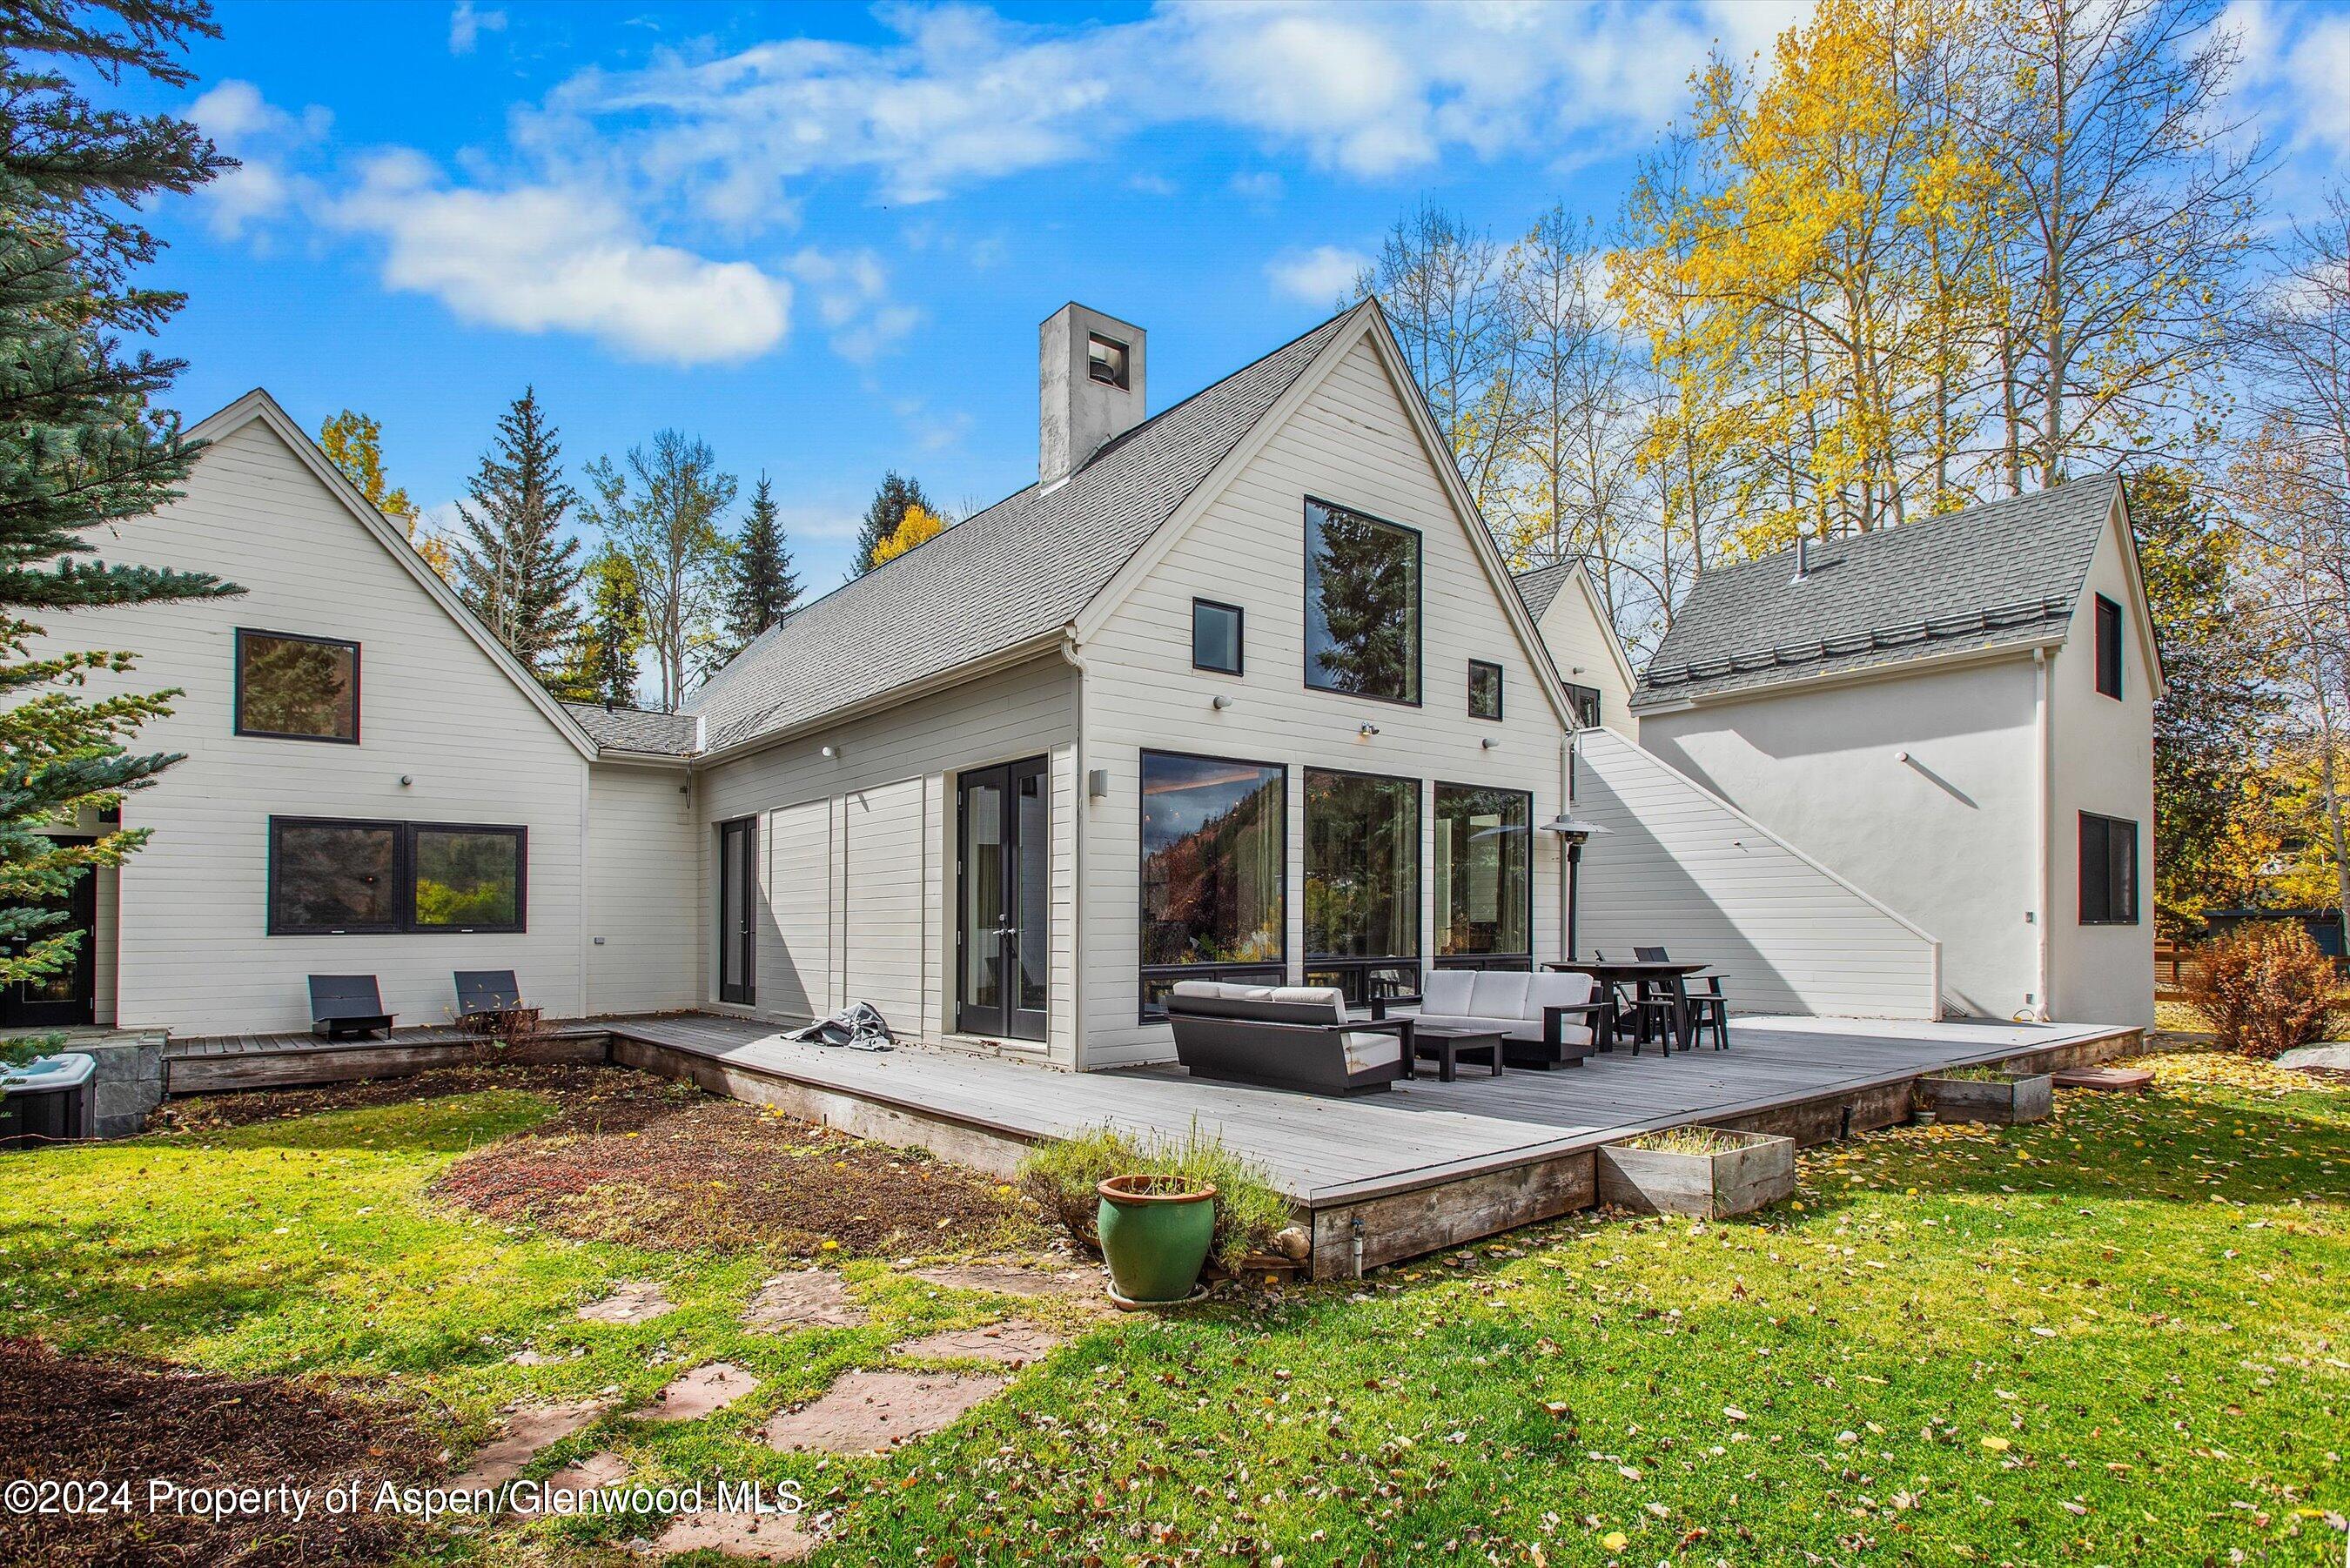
347 1007
1709 1010
489 1001
1286 1037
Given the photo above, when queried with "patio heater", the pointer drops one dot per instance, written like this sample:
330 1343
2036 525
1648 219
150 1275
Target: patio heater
1574 831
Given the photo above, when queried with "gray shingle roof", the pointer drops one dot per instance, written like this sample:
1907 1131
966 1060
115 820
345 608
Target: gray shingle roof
1011 575
1539 589
634 729
2005 573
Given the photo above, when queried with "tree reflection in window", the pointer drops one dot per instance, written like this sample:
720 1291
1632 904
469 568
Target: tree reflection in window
297 688
1213 862
1362 604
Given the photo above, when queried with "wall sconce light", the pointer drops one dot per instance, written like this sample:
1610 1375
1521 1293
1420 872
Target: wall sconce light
1368 730
1221 704
407 779
1097 784
830 752
1488 744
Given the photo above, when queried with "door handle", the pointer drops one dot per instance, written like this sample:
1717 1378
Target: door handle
1007 930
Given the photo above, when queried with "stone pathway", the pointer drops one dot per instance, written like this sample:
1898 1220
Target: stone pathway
1004 1279
776 1538
584 1475
529 1428
698 1393
806 1298
872 1412
1014 1344
639 1301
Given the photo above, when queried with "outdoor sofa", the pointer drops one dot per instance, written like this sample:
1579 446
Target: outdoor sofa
1286 1037
1546 1020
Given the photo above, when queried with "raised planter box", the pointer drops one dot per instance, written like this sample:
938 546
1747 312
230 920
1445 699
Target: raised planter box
1746 1172
2001 1100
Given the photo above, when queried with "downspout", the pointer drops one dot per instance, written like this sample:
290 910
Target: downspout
2042 827
1078 807
1568 853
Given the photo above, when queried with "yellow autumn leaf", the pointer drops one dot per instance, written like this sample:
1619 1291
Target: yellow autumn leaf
1997 1445
1614 1541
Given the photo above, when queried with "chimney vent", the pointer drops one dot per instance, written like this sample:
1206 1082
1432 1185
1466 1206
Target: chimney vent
1802 559
1089 382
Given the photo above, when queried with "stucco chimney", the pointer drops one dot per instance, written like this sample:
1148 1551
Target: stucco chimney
1089 387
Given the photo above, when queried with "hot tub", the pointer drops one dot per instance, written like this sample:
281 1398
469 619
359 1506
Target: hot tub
47 1100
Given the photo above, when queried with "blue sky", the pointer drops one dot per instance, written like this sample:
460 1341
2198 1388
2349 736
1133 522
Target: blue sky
821 237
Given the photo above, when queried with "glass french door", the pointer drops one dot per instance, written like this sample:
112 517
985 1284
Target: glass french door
738 926
64 996
1003 924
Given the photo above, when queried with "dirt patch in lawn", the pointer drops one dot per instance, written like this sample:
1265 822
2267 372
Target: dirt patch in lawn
221 1112
635 1158
81 1419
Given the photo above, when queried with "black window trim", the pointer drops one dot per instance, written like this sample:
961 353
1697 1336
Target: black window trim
1436 787
1147 972
1423 808
1419 608
1576 695
1500 690
2108 613
1240 642
403 874
237 700
2106 825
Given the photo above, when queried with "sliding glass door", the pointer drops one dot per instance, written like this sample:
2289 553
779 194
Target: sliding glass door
1484 877
1362 884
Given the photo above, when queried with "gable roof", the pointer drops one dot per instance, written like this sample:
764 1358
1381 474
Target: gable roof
258 405
2006 574
1540 587
1007 579
638 729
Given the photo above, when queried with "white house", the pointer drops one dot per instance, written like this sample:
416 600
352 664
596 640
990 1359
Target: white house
1957 718
1237 688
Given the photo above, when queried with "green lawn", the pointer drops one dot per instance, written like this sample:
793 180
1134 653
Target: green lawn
2116 1337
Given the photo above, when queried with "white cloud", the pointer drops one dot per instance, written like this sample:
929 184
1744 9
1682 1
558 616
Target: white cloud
536 259
2294 61
1262 185
466 27
261 138
852 300
1321 275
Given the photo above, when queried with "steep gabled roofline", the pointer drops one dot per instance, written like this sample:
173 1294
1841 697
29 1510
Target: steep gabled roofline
257 404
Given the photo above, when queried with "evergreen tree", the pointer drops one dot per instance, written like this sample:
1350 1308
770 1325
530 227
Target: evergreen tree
81 447
514 569
600 666
883 517
764 585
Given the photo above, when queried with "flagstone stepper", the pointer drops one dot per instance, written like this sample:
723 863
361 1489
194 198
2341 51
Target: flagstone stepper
805 1298
698 1393
1014 1344
872 1412
638 1301
527 1429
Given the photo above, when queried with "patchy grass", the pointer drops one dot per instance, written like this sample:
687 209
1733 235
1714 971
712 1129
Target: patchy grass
2111 1337
1689 1140
1979 1075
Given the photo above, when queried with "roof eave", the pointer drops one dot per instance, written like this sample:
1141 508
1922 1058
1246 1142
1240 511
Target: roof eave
1894 670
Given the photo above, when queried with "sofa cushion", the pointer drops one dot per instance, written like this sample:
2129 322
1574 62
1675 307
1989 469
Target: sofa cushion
1499 993
1446 990
1365 1049
1550 990
1258 1003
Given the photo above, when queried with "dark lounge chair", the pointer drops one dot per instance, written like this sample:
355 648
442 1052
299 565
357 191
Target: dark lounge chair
347 1007
1286 1037
481 991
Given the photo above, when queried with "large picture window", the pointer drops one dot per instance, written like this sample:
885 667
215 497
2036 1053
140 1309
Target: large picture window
332 877
1362 884
295 688
2108 871
1214 872
1362 604
1484 874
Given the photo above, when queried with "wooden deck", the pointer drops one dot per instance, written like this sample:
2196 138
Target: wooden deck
1380 1176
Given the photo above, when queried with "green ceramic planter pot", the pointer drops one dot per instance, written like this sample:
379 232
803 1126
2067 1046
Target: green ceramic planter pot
1155 1231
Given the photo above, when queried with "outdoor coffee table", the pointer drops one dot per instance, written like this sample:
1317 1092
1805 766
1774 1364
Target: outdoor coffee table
1447 1044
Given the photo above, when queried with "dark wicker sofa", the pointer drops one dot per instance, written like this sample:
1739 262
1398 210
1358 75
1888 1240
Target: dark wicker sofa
1286 1037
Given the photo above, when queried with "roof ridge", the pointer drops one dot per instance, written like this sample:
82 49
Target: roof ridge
1867 537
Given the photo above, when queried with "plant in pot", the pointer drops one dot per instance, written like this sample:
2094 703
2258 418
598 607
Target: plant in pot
1157 1210
1155 1231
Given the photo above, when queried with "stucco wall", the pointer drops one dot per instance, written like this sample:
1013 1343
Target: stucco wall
1920 790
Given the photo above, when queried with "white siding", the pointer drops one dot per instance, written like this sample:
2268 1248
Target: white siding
860 850
640 905
1680 870
1349 443
193 955
1584 650
1920 788
2102 752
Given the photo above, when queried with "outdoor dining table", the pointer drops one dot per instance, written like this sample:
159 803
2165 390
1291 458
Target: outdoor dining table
1673 976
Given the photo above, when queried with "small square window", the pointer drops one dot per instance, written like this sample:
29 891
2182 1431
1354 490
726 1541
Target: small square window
1106 360
297 688
1216 637
1484 690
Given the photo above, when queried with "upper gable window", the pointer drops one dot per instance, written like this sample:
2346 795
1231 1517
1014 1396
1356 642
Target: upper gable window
2109 647
297 688
1362 604
1106 360
1484 690
1216 637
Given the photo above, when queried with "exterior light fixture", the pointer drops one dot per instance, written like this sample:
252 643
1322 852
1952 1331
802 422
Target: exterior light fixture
1221 704
830 752
1368 730
1488 744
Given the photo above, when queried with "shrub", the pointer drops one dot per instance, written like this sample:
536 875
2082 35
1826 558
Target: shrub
2265 988
1061 1177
